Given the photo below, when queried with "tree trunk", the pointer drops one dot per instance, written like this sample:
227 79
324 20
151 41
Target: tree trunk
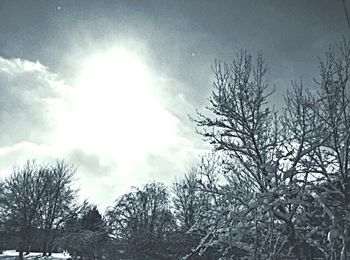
294 242
50 243
44 249
20 249
28 246
20 254
52 237
27 240
23 246
45 242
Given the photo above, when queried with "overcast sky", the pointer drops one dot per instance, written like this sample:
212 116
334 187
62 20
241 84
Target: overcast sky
108 85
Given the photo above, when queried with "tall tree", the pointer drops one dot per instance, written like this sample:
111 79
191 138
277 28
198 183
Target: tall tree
58 199
329 162
254 143
23 193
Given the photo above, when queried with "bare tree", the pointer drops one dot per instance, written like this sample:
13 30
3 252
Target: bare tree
261 163
186 199
58 199
242 125
142 219
329 162
23 194
38 196
287 189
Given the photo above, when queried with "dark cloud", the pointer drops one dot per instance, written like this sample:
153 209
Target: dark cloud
292 33
91 165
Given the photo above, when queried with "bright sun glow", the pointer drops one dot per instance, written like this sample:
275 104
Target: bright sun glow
114 109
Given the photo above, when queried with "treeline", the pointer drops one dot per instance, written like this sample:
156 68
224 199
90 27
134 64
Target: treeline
277 185
40 212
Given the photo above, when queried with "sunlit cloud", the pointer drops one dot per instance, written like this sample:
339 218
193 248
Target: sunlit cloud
114 122
114 109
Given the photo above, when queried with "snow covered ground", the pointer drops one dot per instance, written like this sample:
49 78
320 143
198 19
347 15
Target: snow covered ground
12 254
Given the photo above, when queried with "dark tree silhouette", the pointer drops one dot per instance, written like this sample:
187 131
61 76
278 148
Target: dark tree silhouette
23 193
86 236
58 200
143 220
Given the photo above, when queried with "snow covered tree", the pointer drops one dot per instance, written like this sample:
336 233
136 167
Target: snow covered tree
262 191
242 126
286 188
329 161
193 205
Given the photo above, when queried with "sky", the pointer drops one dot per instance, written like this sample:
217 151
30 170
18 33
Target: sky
109 86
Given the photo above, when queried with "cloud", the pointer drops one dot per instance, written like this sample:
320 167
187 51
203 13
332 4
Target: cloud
27 92
18 154
114 145
90 164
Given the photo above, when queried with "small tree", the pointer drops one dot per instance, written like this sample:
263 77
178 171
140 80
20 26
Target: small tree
186 200
193 206
143 221
85 234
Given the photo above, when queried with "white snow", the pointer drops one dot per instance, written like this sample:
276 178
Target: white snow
32 255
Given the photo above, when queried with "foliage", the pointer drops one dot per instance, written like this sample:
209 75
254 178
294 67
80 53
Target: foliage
85 235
